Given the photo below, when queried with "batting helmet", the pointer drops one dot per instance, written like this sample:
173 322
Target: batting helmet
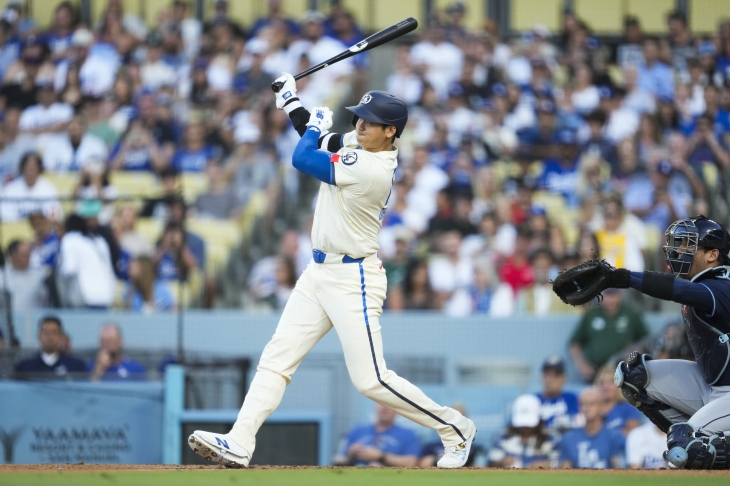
685 236
381 107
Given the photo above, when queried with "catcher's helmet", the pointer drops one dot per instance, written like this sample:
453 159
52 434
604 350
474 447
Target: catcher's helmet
685 236
381 107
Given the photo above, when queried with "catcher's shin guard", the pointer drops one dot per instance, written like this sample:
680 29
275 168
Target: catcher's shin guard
721 443
632 378
687 450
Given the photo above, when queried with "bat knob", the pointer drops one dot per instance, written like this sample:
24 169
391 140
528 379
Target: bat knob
276 86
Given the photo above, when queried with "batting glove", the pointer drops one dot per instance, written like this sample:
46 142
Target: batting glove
288 91
320 118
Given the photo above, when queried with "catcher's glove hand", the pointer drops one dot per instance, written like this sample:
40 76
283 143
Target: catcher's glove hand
582 283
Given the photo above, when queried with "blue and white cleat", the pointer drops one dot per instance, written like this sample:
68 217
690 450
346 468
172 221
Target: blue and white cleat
456 456
218 448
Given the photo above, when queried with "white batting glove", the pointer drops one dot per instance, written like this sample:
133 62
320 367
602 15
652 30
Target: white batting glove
287 92
320 118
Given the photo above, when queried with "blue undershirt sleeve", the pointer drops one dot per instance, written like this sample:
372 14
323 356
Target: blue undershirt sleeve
308 159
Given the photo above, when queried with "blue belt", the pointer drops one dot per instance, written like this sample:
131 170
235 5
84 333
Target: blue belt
319 257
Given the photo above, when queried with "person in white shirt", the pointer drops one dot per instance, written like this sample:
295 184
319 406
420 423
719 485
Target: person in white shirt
190 27
155 73
85 267
451 275
30 193
645 446
440 60
75 149
49 118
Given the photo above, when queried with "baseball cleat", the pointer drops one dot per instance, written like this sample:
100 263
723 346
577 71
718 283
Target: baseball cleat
218 448
456 456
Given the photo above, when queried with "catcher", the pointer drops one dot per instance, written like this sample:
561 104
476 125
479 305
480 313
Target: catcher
689 401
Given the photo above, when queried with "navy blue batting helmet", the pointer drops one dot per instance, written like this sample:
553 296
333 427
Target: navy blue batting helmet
686 236
381 107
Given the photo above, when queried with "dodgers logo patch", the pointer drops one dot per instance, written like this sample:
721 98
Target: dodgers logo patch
366 99
349 158
286 95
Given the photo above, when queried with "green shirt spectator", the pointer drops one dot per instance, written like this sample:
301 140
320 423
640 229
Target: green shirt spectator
604 331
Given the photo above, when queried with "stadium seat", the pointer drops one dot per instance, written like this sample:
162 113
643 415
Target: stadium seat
134 183
152 9
215 230
150 228
187 294
601 16
192 185
216 255
65 182
526 13
652 14
19 230
703 15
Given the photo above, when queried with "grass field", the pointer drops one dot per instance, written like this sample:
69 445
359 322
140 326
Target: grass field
66 475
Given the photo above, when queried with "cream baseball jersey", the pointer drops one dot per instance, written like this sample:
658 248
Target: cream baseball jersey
349 214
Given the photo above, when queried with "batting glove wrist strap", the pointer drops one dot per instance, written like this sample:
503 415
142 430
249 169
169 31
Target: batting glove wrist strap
292 105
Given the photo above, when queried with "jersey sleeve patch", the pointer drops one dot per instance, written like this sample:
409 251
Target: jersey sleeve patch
349 158
335 158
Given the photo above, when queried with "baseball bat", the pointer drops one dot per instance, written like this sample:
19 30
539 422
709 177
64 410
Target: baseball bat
377 39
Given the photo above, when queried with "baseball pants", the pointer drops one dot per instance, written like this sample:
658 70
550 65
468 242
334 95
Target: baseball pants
348 297
680 385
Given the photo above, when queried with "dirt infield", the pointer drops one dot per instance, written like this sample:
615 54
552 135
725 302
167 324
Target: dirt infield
97 468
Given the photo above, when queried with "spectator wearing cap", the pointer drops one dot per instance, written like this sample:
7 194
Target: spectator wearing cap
48 120
75 150
597 143
542 137
558 408
603 331
593 446
655 77
538 298
437 59
154 71
560 174
628 50
30 192
660 197
525 443
252 77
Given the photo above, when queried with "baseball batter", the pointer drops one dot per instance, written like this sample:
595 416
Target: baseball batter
344 285
689 401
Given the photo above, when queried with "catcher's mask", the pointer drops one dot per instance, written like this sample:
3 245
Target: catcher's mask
686 236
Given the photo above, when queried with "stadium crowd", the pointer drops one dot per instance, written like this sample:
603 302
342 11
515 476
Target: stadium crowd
523 155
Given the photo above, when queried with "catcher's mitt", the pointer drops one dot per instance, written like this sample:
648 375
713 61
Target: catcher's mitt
582 283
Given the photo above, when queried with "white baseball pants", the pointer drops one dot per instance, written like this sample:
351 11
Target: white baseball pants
348 297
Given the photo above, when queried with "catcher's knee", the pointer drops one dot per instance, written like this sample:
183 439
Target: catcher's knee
687 448
632 377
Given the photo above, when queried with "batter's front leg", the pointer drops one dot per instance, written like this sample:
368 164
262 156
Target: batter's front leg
301 326
354 306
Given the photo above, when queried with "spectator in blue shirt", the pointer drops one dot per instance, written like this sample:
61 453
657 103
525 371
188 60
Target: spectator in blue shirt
558 408
618 414
380 444
145 291
47 244
655 77
594 446
110 362
194 155
51 361
58 38
560 174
